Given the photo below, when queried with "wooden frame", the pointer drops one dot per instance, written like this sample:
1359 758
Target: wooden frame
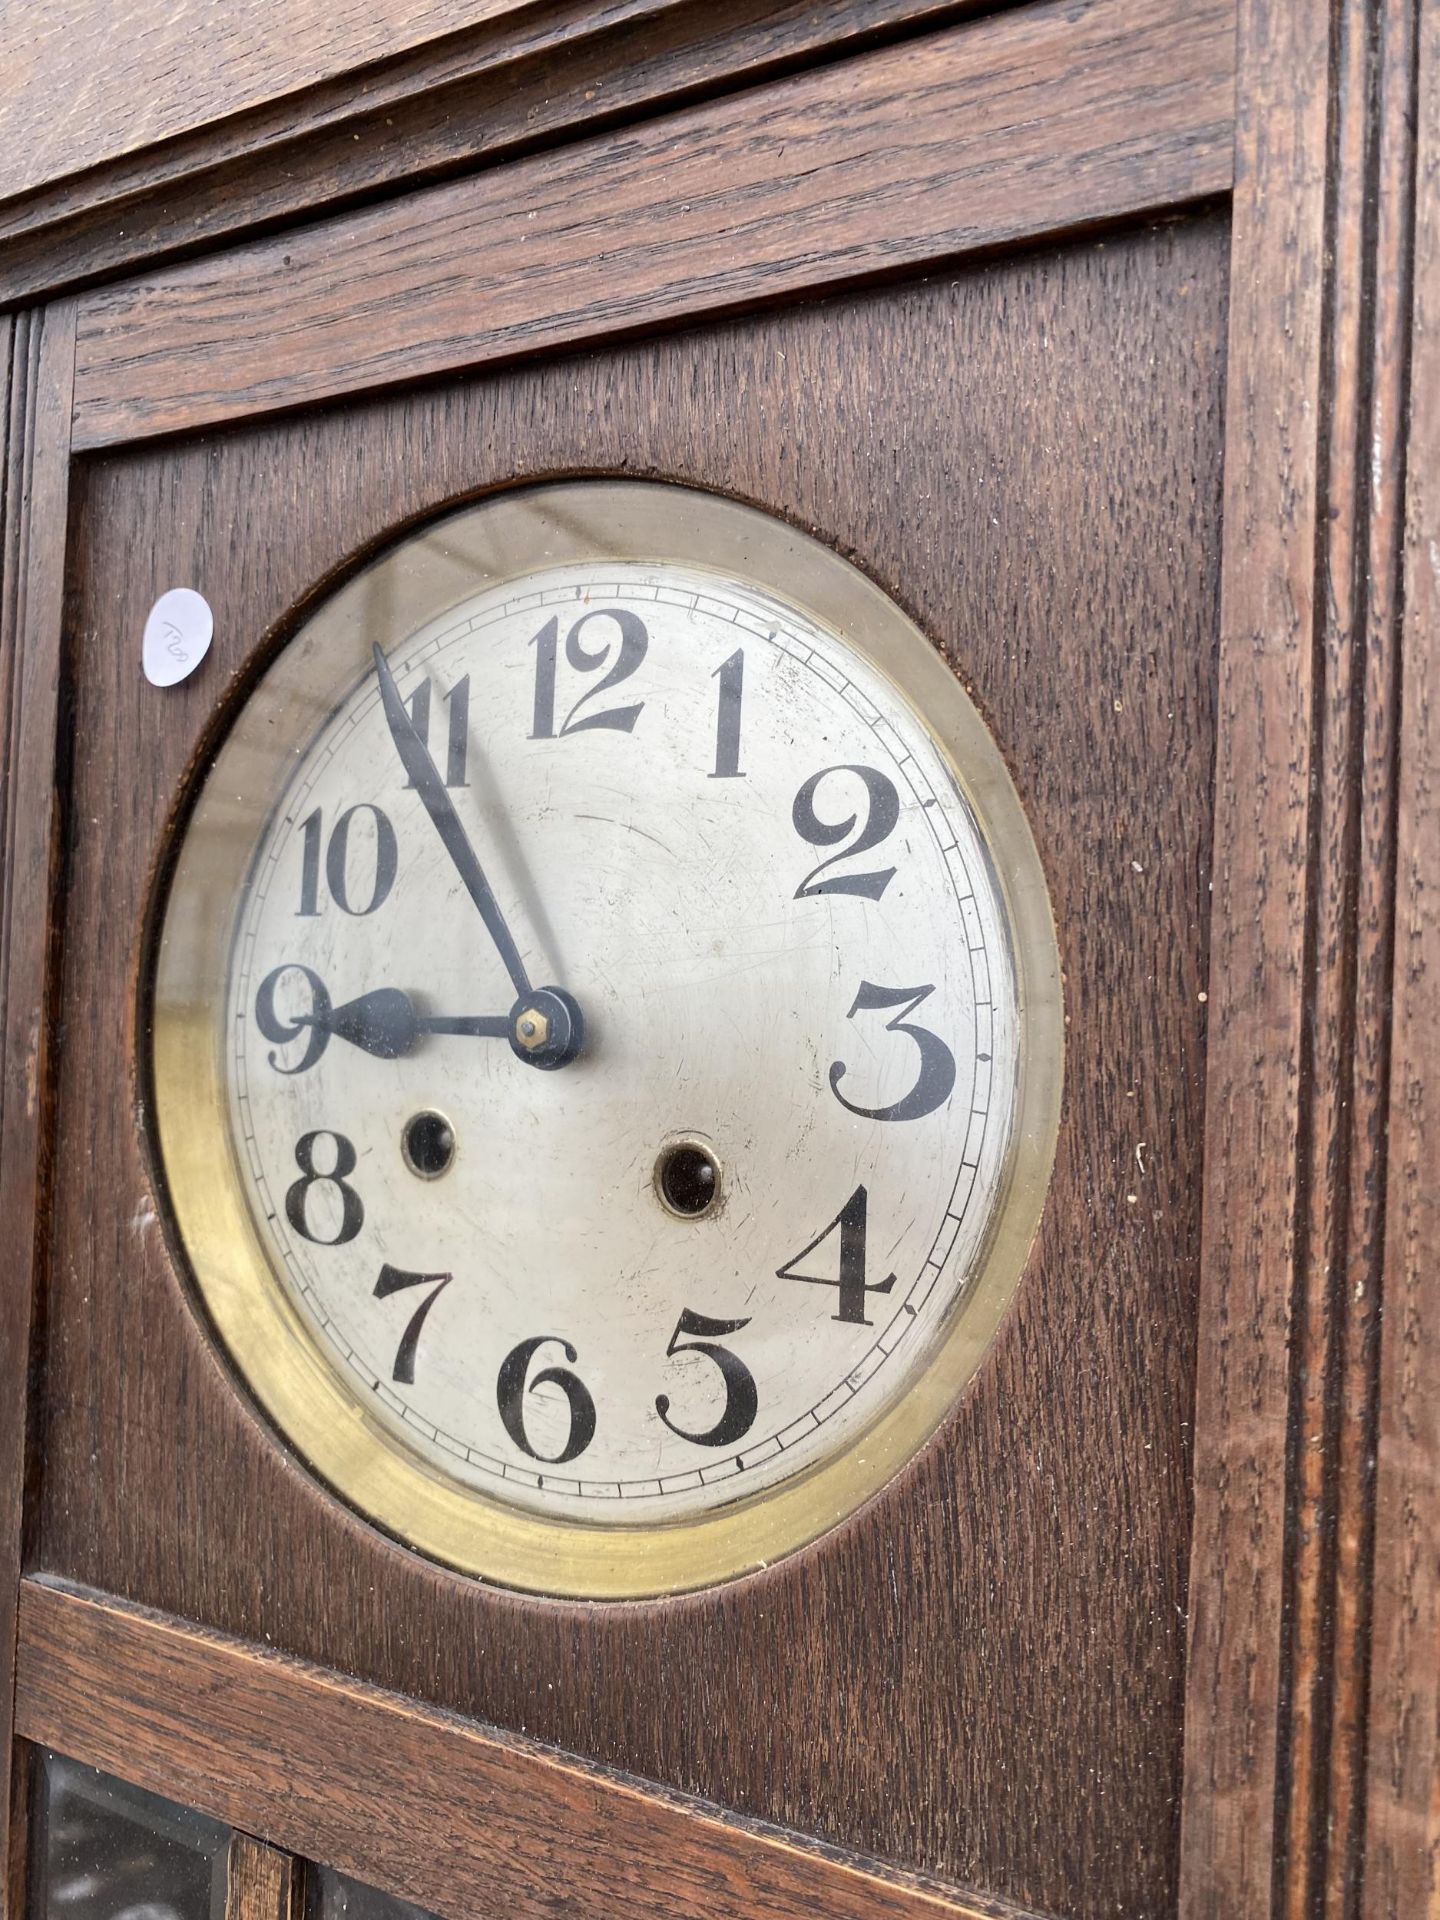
1309 1762
279 1748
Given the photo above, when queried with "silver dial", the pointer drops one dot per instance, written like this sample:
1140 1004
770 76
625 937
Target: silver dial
695 1258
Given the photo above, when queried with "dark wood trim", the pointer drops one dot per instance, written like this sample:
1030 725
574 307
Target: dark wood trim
1036 121
517 83
323 1766
1259 958
1298 1082
1340 1283
1402 1833
32 562
88 86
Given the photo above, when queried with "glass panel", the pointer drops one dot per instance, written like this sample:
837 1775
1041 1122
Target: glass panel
108 1851
345 1899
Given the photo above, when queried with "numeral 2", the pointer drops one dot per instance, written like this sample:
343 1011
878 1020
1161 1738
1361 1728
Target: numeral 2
881 813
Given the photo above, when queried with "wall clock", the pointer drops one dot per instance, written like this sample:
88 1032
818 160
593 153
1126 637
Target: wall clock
606 1039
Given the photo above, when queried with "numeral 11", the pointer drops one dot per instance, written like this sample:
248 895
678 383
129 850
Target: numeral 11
458 701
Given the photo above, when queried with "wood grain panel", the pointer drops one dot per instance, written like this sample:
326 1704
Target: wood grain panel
35 485
1042 118
85 81
525 79
1262 923
1403 1810
1299 1072
981 1675
343 1773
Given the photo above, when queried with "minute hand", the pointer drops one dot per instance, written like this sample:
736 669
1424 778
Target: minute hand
425 778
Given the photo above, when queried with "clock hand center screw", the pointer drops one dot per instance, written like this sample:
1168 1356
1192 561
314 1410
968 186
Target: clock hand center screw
532 1030
547 1028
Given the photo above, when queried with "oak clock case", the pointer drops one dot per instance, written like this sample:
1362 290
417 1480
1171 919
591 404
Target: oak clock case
606 1039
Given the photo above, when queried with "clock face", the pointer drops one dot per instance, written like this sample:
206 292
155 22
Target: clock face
622 1038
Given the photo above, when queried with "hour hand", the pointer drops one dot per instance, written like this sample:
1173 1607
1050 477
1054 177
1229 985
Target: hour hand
386 1024
545 1029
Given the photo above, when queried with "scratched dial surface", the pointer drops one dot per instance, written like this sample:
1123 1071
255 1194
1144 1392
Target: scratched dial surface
702 1253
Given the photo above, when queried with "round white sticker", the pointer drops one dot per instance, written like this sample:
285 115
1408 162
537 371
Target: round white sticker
177 636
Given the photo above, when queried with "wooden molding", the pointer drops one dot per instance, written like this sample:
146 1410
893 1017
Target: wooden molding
34 488
518 80
1402 1813
1035 121
1301 962
328 1768
86 86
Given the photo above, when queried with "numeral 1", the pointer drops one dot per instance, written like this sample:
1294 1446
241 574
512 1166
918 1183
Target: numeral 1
731 676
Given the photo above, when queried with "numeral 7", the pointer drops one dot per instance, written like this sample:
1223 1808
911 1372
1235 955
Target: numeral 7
395 1280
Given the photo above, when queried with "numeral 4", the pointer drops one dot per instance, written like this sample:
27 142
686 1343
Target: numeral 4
851 1281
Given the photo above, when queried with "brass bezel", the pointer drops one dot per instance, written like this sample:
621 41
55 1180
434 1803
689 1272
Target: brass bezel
317 1412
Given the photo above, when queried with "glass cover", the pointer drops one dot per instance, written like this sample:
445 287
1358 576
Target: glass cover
340 1898
109 1851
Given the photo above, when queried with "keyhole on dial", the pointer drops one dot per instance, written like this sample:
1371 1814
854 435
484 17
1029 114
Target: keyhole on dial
687 1178
427 1141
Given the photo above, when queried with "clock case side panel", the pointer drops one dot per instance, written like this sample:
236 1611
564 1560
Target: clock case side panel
37 363
944 1680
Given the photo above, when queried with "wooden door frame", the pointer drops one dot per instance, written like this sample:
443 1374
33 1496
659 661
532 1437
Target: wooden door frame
1302 1762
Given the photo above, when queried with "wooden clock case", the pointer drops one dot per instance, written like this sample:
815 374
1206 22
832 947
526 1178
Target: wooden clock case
1099 333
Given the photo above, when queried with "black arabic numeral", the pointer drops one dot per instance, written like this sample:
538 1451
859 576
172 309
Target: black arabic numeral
337 858
457 746
741 1398
853 1286
395 1280
731 676
511 1388
936 1077
311 829
882 812
634 643
352 1211
276 1027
